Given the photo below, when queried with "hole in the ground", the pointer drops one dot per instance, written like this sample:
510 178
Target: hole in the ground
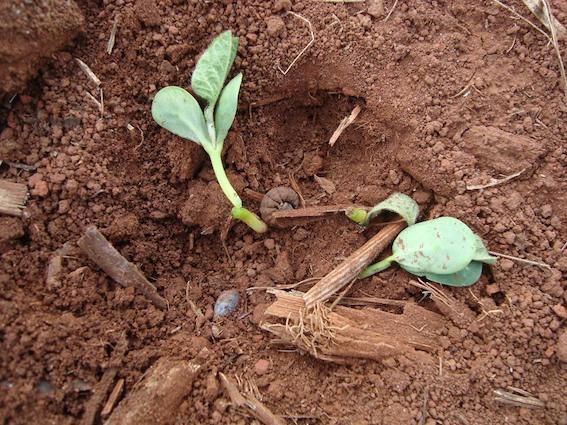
291 136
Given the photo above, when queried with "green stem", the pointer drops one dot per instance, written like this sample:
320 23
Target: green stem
377 267
224 183
251 219
238 212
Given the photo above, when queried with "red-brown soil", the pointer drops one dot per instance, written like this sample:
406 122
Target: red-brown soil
432 79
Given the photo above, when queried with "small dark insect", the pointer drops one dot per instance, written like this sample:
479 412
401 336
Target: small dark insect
278 199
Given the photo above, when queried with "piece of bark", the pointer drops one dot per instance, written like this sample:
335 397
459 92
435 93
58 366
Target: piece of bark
352 266
13 197
100 251
158 396
103 386
100 392
112 399
344 334
250 404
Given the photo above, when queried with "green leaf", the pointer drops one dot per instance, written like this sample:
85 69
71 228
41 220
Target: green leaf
399 203
444 245
176 110
226 108
233 52
465 277
481 253
213 67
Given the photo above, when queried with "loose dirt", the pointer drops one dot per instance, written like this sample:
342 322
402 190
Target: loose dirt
441 85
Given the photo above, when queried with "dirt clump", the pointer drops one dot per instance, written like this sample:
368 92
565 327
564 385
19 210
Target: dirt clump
29 33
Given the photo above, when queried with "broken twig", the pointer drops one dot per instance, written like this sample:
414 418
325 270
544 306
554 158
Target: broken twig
101 252
88 72
102 388
521 260
157 398
112 38
112 399
343 334
353 265
495 182
250 404
295 217
344 124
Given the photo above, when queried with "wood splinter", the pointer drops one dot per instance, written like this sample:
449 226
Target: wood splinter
13 197
101 252
250 404
352 266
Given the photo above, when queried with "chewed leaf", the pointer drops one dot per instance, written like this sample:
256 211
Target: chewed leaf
226 108
213 67
444 245
399 203
465 277
481 253
174 109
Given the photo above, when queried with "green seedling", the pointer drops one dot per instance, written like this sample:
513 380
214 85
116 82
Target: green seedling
397 202
444 250
176 110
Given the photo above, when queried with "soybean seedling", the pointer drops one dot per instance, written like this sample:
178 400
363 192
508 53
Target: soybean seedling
444 250
177 111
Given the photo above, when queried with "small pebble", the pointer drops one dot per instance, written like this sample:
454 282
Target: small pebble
261 367
227 302
506 265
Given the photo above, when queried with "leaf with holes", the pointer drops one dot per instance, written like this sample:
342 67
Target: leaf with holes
444 250
444 245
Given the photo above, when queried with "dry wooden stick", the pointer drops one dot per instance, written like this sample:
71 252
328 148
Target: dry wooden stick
158 397
352 266
101 390
13 197
494 182
344 124
103 386
289 218
112 399
101 252
250 404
